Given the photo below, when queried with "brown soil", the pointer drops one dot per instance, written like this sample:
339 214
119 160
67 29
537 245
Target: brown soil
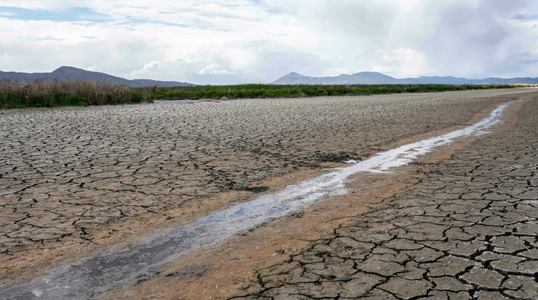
230 268
80 181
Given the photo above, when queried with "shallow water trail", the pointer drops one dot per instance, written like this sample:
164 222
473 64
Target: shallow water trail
93 276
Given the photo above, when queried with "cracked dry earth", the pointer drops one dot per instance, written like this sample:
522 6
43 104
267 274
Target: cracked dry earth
467 230
79 181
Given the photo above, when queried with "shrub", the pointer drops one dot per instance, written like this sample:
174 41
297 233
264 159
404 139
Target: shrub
71 92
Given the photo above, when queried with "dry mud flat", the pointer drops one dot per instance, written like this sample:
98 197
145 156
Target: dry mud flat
466 228
76 181
460 224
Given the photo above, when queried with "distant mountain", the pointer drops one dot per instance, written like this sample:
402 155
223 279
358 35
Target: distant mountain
378 78
66 73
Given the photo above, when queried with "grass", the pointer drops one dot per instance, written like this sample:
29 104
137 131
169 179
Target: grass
84 92
275 91
68 93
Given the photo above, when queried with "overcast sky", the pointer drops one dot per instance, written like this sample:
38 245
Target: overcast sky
238 41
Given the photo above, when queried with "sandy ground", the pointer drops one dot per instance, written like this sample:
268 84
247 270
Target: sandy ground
78 181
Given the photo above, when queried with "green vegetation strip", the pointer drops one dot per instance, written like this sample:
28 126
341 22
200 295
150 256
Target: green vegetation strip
85 92
68 93
277 91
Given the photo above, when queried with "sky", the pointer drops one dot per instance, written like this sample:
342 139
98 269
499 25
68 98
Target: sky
245 41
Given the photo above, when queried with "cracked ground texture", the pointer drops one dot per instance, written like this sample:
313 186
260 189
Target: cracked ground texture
467 230
76 178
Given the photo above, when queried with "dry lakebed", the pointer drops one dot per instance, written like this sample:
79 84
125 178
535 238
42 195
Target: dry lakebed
405 196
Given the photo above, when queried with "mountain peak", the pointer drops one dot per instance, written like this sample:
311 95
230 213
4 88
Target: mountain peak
289 78
293 74
64 69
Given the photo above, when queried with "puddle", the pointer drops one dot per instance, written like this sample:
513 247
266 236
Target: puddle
91 277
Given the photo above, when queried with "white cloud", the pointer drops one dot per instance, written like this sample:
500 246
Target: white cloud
401 62
4 59
150 67
238 40
407 4
213 69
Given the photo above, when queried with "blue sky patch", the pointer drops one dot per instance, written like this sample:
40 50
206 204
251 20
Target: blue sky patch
133 21
75 14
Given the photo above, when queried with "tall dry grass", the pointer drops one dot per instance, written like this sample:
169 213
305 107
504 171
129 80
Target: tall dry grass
63 93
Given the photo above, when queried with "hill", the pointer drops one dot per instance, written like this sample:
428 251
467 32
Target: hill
65 73
379 78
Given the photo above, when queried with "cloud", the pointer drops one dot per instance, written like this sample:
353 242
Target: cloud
402 62
233 41
150 67
214 69
4 59
71 14
476 41
518 17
